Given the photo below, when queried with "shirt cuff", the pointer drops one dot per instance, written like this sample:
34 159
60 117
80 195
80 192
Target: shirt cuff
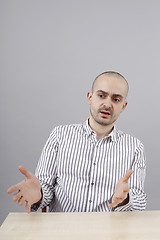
37 206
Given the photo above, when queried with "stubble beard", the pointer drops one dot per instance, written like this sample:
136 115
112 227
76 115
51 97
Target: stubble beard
102 121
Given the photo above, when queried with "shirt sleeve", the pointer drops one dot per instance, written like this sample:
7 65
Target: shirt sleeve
46 171
137 196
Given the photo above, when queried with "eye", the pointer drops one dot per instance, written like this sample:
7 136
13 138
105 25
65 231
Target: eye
101 95
116 100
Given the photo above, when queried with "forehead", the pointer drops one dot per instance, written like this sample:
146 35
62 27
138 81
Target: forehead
111 85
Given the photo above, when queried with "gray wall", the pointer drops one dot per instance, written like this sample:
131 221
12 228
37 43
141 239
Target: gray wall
50 52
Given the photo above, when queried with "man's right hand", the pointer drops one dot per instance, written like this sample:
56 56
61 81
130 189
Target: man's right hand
29 190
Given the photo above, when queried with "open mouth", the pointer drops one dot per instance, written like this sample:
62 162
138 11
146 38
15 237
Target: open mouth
105 113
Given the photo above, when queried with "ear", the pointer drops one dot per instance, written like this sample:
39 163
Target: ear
124 106
89 96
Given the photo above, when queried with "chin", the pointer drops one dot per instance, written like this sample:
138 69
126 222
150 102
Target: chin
103 123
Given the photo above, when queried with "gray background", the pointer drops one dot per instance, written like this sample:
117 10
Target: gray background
50 52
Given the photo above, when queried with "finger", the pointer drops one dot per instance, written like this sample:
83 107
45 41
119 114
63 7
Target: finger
127 175
24 171
121 197
13 189
28 207
21 201
16 196
117 200
113 204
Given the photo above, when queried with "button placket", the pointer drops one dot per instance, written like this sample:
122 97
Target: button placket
92 181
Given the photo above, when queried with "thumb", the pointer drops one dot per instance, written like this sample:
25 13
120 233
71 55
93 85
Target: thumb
127 175
24 171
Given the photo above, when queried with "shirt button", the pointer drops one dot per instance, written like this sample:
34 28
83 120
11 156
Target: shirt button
94 163
92 183
90 201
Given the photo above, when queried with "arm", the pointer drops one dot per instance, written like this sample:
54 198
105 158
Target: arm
46 171
37 191
136 198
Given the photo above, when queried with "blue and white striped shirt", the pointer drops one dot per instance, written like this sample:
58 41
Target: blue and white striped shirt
79 173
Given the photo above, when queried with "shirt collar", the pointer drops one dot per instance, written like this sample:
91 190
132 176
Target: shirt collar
113 135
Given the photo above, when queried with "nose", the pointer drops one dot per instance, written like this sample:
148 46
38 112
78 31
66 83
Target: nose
107 102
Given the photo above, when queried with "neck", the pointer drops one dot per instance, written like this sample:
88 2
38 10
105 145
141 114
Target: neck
101 130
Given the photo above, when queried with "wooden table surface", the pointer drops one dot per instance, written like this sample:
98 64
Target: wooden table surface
87 226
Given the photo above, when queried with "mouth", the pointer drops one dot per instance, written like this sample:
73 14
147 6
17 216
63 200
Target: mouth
105 113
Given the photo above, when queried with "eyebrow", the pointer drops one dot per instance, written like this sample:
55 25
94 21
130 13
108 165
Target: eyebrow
106 93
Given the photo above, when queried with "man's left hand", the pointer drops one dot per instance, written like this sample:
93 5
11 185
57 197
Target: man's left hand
120 196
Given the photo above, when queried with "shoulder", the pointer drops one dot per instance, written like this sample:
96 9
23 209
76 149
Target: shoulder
129 139
64 130
71 127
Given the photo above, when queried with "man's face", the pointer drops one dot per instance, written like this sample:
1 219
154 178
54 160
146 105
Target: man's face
107 100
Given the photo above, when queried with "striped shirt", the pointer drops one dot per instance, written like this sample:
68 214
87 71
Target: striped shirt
79 173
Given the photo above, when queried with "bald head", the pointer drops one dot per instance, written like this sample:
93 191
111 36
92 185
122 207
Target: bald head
114 76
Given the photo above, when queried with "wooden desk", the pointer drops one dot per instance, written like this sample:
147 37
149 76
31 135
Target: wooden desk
86 226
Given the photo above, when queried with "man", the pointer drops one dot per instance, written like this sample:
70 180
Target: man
90 166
